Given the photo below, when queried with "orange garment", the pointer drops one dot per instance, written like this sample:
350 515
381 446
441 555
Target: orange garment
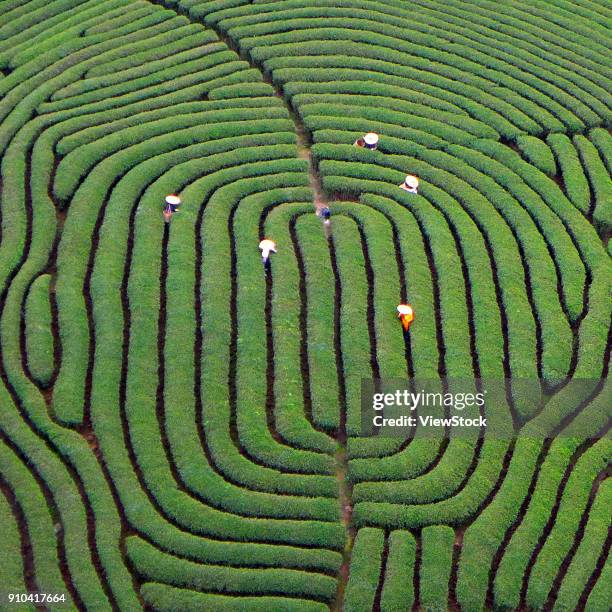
406 320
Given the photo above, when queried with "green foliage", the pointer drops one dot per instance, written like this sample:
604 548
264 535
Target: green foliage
603 141
537 153
195 434
573 504
600 181
157 566
166 598
398 591
320 295
436 559
574 180
39 339
364 571
11 570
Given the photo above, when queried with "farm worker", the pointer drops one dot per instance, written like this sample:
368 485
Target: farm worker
325 214
173 201
171 206
369 141
406 315
267 246
410 184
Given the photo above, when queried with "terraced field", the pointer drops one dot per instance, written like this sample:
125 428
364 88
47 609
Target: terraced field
181 431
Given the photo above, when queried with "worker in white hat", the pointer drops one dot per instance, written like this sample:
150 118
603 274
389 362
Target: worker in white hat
266 247
405 314
369 141
410 184
171 206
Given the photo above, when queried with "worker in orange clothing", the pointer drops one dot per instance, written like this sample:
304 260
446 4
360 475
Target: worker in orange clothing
406 315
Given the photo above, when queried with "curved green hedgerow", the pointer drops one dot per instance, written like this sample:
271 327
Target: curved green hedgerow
601 184
320 294
398 590
584 562
355 344
436 560
291 422
376 84
251 402
483 537
600 595
574 180
37 515
573 504
510 123
91 128
538 153
603 141
417 49
167 599
518 551
156 566
364 570
11 572
39 338
506 256
184 442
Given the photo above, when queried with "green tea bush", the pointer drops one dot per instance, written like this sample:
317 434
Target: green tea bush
601 185
39 339
436 560
37 515
364 570
537 153
158 566
351 82
11 572
561 537
398 591
584 562
320 291
602 140
163 597
574 180
292 424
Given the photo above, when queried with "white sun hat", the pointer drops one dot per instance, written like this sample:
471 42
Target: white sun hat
371 139
172 199
404 309
266 243
411 181
267 246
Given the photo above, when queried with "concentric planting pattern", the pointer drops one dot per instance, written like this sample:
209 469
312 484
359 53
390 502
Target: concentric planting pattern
179 430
